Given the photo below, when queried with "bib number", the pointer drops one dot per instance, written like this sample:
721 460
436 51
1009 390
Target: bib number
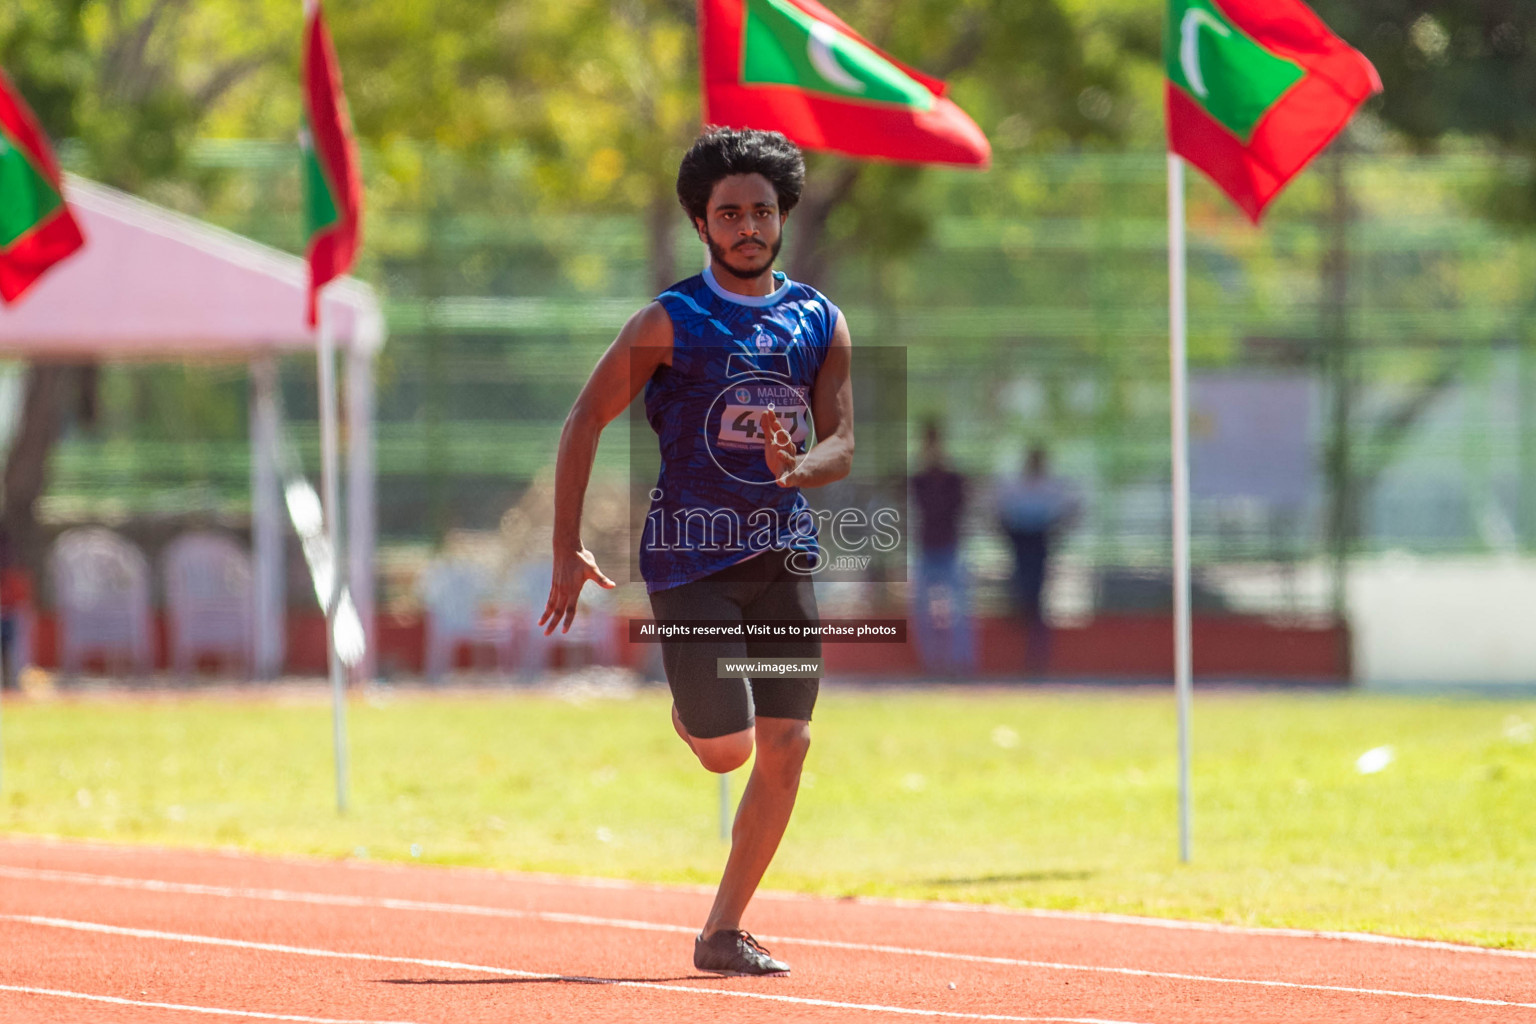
741 426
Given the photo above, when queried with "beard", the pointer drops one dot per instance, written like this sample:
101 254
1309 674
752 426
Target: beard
718 254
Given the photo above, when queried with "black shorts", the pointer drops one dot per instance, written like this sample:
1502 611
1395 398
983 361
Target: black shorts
761 588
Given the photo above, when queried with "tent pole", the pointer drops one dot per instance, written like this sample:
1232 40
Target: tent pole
266 523
361 498
1179 371
330 490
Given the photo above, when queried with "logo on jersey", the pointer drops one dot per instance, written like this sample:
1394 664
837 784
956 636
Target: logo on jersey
743 396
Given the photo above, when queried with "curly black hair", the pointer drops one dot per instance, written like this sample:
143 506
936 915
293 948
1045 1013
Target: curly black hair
722 152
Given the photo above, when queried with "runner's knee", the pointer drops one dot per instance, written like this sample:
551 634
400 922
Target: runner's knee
722 754
781 749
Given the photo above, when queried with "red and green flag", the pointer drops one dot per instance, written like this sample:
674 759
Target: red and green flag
36 228
1256 89
793 66
333 188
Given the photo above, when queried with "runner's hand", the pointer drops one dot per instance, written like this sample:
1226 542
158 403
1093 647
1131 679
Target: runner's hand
572 570
778 449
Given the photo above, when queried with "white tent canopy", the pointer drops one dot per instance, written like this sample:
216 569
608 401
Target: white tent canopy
153 284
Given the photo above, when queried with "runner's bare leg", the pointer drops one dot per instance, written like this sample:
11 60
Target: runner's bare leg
761 818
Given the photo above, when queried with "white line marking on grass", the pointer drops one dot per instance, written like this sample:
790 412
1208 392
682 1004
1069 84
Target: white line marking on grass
556 917
272 947
181 1006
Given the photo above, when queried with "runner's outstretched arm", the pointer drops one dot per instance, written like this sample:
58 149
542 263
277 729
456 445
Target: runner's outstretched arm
644 343
832 410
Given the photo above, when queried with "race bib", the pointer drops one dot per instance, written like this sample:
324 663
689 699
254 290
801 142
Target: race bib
741 419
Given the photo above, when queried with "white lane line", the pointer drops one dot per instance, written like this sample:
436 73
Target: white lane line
564 881
338 900
53 922
272 947
948 906
60 993
554 917
1173 924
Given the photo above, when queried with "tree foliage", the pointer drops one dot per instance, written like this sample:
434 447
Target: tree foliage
1454 70
602 93
132 82
1449 68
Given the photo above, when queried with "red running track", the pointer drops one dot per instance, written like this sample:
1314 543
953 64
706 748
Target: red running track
118 934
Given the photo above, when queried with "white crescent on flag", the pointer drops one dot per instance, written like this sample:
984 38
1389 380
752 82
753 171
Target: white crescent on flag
819 49
1189 46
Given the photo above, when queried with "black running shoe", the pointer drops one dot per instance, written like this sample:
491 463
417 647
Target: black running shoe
735 954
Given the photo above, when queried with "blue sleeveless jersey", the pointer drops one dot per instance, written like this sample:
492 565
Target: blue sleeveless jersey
733 356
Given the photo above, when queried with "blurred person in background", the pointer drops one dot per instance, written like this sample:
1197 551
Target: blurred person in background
940 590
15 616
1034 511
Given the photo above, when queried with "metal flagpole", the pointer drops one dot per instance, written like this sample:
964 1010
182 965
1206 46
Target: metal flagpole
1179 370
330 489
725 805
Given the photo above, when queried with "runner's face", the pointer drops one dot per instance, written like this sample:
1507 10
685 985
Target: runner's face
744 226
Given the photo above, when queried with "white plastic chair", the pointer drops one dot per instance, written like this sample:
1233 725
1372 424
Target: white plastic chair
101 591
461 609
208 596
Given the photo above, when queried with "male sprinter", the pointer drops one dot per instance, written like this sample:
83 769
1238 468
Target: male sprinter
739 366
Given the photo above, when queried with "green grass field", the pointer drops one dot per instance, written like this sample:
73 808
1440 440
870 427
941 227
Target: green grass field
1062 799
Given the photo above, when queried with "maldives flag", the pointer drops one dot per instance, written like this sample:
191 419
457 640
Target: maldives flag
36 228
793 66
333 188
1256 89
